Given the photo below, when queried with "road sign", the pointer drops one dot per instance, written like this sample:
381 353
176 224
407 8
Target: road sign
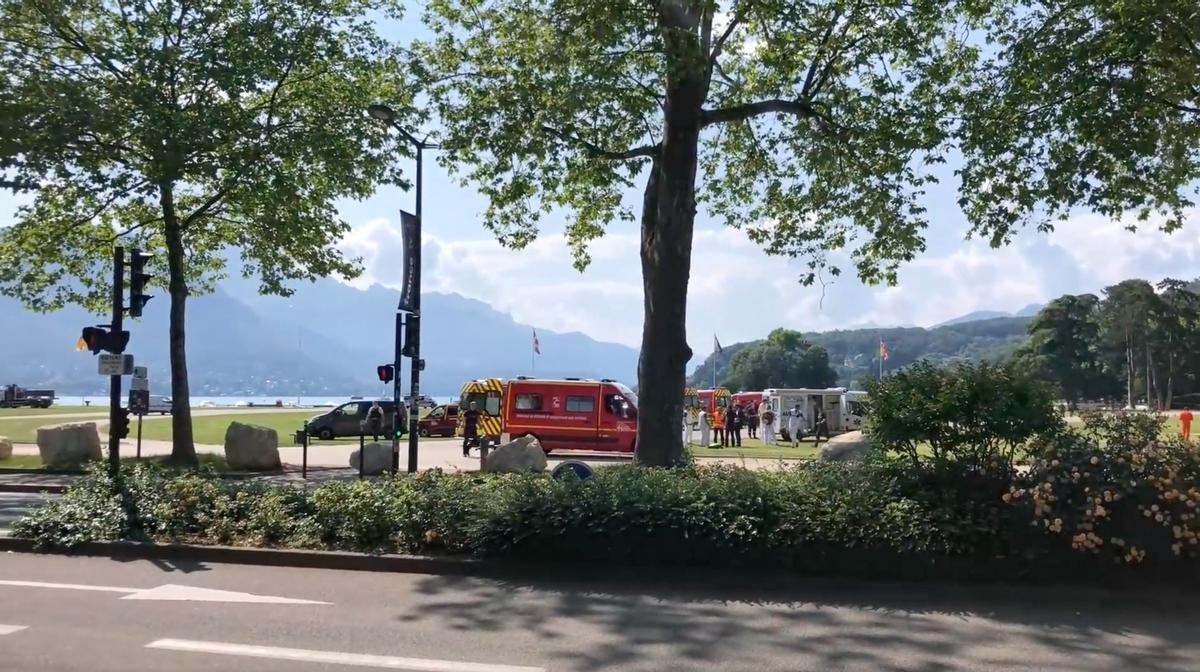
139 384
142 372
114 365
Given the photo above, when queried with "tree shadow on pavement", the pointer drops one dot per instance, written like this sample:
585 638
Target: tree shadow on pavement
728 621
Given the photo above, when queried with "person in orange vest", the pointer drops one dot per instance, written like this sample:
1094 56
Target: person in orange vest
718 422
1185 424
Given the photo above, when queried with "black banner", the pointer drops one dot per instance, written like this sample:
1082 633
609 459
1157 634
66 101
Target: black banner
410 231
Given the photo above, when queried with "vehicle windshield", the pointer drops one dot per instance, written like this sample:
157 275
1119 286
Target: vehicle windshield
629 394
487 403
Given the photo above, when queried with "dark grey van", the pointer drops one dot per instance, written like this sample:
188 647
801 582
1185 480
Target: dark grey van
348 418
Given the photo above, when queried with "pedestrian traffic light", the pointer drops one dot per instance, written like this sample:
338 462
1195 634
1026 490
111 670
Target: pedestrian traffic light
386 373
137 282
99 338
121 426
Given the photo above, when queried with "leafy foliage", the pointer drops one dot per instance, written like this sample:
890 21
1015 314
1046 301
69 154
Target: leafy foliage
977 416
783 360
1085 105
1064 349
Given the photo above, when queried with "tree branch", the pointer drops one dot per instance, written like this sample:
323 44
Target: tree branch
723 115
597 152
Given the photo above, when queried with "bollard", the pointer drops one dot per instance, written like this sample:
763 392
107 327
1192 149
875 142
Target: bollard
362 461
304 452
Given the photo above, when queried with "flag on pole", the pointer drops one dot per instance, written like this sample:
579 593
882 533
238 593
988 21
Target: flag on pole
537 347
80 345
716 345
883 349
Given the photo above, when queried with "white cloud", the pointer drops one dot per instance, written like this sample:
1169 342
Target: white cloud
740 293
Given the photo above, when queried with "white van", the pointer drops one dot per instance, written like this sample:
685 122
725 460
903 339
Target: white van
843 408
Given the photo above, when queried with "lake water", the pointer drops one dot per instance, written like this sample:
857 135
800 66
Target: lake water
219 402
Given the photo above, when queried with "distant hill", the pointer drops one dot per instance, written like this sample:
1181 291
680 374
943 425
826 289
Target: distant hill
327 339
980 315
854 353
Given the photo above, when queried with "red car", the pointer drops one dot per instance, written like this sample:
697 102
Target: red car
441 421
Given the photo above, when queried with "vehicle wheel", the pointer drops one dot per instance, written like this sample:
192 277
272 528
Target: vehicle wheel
326 434
424 433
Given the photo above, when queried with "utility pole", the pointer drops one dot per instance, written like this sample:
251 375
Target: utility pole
114 382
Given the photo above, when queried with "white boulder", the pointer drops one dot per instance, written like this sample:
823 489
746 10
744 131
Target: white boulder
251 447
69 445
523 455
848 447
378 460
5 448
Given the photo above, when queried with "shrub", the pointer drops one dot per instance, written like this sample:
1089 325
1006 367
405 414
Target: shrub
966 415
1132 502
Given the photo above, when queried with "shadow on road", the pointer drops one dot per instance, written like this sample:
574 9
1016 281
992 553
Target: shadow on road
824 625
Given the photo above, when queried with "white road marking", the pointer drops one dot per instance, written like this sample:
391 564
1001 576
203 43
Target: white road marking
168 593
69 586
10 629
175 593
334 657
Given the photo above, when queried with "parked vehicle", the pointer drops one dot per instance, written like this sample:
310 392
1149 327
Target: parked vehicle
160 405
16 397
349 419
745 399
843 408
441 421
563 414
711 400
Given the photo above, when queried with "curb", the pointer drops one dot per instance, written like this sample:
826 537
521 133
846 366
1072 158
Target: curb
264 557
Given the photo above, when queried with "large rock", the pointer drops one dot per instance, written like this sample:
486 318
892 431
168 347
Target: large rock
848 447
251 447
379 458
523 455
5 448
68 446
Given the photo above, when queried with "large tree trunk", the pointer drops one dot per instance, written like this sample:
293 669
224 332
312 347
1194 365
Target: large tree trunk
183 448
668 216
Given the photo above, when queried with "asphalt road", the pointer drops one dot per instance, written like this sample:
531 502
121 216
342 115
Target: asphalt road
14 505
119 617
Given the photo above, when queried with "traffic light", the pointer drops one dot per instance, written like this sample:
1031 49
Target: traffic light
412 335
137 282
121 427
386 373
99 338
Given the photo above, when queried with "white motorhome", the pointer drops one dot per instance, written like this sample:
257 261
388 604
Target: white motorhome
843 408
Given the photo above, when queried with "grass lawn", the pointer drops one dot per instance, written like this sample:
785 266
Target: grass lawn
21 462
753 448
24 430
53 410
210 429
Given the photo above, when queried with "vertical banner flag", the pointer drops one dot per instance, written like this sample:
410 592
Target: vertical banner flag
537 347
883 350
716 345
412 261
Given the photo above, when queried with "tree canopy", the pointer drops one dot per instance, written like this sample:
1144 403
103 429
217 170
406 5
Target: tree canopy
784 359
192 130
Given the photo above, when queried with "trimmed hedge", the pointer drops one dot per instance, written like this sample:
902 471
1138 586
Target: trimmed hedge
872 519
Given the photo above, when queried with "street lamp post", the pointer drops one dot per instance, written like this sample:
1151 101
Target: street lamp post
388 116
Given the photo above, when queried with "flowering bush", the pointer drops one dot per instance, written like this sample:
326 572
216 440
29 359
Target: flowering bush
1108 496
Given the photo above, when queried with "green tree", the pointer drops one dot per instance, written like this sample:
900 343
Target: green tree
1126 318
1064 343
785 360
1176 319
809 124
1087 104
190 129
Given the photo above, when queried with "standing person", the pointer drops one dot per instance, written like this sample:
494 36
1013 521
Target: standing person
718 422
737 418
796 423
689 424
470 429
752 421
1185 423
767 417
820 426
375 420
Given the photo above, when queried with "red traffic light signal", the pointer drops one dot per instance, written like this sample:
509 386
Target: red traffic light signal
386 373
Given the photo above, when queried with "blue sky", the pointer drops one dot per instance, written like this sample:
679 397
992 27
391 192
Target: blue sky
737 291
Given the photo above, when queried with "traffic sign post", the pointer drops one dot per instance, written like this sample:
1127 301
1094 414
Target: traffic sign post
109 364
139 404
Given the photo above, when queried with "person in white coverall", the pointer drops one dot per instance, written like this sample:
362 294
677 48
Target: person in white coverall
796 425
767 419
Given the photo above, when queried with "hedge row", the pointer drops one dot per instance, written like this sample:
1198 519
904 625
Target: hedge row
876 518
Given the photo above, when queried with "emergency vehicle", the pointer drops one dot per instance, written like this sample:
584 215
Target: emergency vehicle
843 408
562 414
711 400
745 399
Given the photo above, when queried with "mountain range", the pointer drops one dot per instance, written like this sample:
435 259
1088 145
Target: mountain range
326 339
979 315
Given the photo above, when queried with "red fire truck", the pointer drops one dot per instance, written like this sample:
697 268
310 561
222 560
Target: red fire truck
745 399
571 413
710 400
